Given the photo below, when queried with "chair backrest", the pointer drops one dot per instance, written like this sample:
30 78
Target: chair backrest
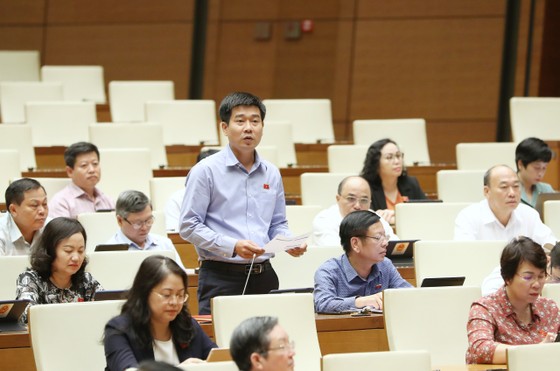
80 83
460 185
437 322
121 136
320 189
100 227
127 98
123 169
346 158
53 185
187 122
409 134
279 134
70 334
534 117
482 156
115 270
18 137
413 360
59 123
552 216
10 165
295 314
552 291
311 119
211 366
298 273
300 217
14 95
533 357
427 221
161 189
472 259
19 65
10 269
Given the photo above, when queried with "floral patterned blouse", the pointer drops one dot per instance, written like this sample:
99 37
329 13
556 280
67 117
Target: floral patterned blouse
32 287
492 321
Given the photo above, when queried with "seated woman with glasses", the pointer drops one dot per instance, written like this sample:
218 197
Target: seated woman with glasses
155 323
58 262
516 314
135 219
390 185
532 156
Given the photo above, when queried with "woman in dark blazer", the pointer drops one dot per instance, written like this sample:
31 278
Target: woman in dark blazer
155 323
386 174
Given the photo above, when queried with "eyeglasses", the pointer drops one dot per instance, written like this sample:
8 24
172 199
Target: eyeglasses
380 238
137 225
394 156
364 201
531 278
168 298
284 347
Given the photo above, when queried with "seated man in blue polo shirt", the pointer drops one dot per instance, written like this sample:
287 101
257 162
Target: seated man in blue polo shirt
358 277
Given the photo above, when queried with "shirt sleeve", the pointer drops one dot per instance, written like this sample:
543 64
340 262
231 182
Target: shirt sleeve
118 351
464 230
58 206
323 233
195 205
480 331
326 296
28 288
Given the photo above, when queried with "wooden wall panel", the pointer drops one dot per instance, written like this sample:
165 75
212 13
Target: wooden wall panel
248 9
127 52
244 64
21 38
434 69
326 9
22 12
121 11
429 8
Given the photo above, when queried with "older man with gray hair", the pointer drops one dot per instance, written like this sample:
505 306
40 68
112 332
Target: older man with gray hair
135 219
260 343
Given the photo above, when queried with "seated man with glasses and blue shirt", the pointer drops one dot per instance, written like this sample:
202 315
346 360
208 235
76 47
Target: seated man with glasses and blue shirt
135 219
357 278
353 194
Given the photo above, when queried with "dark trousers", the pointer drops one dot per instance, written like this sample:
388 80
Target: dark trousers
216 279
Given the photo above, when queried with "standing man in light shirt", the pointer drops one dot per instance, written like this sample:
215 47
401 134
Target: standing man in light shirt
135 219
82 195
234 204
21 226
353 194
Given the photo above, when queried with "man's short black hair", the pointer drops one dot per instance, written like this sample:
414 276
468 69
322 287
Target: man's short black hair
77 149
356 224
15 193
251 336
239 99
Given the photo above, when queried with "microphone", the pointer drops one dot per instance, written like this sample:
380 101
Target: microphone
249 274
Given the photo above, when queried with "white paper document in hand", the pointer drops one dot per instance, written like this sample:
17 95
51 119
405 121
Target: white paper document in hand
283 243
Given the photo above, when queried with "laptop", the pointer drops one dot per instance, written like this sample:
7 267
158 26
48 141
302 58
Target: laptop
542 198
10 312
401 252
442 281
112 247
109 295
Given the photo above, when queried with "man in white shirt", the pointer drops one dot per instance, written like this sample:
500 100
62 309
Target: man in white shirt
501 216
21 226
353 194
135 219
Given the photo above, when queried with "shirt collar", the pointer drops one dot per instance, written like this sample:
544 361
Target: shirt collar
121 237
77 192
488 216
351 273
231 160
507 308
